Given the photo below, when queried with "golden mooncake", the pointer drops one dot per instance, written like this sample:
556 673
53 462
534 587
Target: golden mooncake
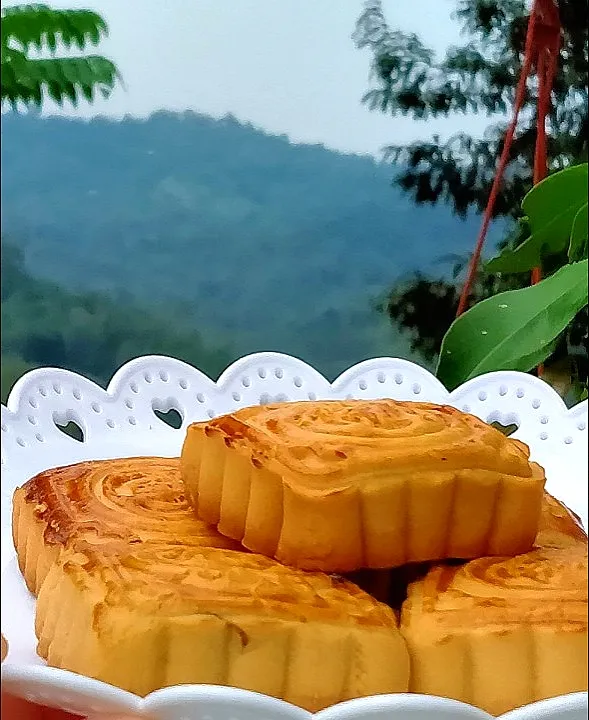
158 614
131 499
135 591
343 485
500 633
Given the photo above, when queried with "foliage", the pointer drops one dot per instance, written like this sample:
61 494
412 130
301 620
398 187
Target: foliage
480 76
556 213
40 28
86 332
515 330
218 225
519 329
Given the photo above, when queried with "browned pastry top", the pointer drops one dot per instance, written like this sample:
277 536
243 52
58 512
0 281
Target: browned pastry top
133 499
132 543
546 587
558 527
324 447
161 579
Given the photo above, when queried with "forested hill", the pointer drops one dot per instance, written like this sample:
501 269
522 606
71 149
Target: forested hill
245 237
42 324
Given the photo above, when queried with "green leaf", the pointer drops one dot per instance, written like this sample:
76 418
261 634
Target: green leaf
41 25
515 330
578 242
551 207
26 80
60 77
51 40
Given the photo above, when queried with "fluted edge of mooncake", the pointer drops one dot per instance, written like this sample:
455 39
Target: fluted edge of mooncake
462 514
500 633
35 557
311 664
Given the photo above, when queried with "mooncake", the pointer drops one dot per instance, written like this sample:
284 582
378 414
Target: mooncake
218 617
342 485
500 633
130 499
134 590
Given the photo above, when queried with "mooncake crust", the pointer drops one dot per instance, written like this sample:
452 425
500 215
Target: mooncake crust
500 633
123 571
343 485
216 617
559 527
130 499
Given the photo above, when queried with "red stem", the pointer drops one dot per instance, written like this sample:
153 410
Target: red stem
503 161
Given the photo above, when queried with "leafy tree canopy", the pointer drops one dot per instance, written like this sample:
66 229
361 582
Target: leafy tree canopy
480 76
26 78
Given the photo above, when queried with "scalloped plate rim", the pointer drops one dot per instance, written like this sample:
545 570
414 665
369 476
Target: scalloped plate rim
13 403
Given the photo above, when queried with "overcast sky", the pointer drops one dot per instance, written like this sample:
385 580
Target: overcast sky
288 66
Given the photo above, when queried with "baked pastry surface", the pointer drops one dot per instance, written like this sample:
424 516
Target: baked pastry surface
559 527
131 499
501 633
137 592
343 485
163 614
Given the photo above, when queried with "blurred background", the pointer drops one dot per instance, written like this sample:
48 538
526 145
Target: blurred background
305 176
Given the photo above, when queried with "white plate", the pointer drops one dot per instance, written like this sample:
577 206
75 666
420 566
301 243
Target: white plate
120 421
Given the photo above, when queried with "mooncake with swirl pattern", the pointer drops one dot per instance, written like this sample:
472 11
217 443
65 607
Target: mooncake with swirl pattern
500 633
162 614
130 499
342 485
134 590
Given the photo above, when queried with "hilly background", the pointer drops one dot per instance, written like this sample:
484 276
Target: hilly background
206 239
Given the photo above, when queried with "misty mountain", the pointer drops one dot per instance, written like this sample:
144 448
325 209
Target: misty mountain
218 226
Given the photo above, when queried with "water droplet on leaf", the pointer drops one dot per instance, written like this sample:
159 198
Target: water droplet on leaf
484 332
